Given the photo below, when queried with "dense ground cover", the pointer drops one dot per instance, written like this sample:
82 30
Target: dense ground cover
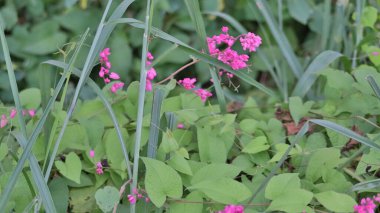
189 106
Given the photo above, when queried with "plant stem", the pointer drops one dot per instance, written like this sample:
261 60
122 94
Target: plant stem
179 70
140 111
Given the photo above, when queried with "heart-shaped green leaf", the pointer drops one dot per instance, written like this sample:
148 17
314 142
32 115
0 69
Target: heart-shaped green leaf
71 168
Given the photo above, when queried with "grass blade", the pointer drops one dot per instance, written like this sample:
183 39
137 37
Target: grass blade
280 38
196 17
107 105
36 171
309 76
358 28
326 24
140 111
242 74
374 85
366 185
347 132
155 123
299 135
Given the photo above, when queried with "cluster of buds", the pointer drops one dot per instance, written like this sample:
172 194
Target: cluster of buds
232 209
4 119
105 71
367 205
151 73
99 166
188 84
132 198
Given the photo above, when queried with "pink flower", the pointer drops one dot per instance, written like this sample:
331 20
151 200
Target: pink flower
180 126
151 74
366 206
232 209
99 171
13 113
203 94
92 153
149 56
116 86
131 199
250 41
148 85
3 121
232 58
32 112
114 76
188 83
103 71
108 64
147 199
135 191
105 53
375 53
107 80
225 29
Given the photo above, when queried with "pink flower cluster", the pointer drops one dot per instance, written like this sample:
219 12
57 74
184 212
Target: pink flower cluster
188 84
105 71
4 119
367 205
151 73
236 61
99 168
132 198
232 209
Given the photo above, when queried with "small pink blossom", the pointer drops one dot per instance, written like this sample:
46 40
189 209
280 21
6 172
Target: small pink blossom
32 112
3 121
148 85
131 199
250 41
225 29
135 191
13 113
108 64
232 209
114 76
188 83
151 74
366 206
99 171
105 53
375 53
107 80
92 153
180 126
149 56
203 94
116 86
147 199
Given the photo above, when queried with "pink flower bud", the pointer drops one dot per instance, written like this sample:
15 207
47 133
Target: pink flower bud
131 199
92 153
114 76
32 112
147 199
224 29
107 80
180 126
3 121
148 86
13 113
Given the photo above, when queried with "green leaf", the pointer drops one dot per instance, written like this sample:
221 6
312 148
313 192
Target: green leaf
300 10
106 198
211 148
113 151
30 98
297 109
223 190
169 143
215 171
292 200
161 181
194 205
320 161
71 168
83 199
9 13
336 202
369 16
258 144
280 184
3 151
60 194
179 163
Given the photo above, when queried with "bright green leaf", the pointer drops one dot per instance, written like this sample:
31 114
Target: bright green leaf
106 198
71 168
336 202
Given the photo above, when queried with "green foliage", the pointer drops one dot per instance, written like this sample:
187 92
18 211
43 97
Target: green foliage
106 198
71 168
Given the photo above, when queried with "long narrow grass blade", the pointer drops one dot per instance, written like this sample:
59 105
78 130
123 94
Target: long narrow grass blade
347 132
196 17
280 38
358 29
366 185
107 105
299 135
309 76
326 24
140 111
84 76
36 171
155 123
374 85
242 74
38 177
